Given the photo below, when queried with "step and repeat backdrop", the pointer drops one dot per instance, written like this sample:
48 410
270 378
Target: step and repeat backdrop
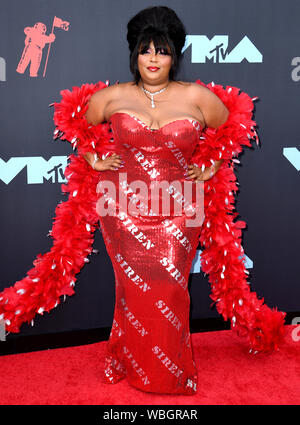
47 46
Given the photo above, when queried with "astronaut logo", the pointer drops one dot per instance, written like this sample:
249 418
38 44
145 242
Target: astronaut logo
35 41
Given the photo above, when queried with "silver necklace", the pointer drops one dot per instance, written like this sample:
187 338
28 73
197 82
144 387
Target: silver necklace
153 94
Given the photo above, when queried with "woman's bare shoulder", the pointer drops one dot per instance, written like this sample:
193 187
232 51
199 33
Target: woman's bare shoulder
212 107
109 94
202 96
197 89
184 83
193 89
98 103
105 93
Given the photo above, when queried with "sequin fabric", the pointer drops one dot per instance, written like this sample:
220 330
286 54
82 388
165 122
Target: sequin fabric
150 343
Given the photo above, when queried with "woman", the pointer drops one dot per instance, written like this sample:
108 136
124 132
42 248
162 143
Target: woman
163 320
140 134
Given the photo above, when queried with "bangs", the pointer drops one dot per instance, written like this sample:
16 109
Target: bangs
160 43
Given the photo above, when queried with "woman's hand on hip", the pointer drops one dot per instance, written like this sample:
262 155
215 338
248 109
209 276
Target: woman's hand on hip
113 162
195 173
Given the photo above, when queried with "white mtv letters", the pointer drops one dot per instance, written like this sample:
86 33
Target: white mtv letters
216 50
293 156
38 169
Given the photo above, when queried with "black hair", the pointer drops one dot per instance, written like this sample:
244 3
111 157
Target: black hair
161 25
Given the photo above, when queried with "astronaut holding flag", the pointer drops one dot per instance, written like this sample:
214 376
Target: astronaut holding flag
58 23
35 41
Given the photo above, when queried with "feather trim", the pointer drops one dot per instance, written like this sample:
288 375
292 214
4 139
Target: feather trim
75 221
222 257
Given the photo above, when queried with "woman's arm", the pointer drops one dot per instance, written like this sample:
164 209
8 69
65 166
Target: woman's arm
213 109
95 115
215 113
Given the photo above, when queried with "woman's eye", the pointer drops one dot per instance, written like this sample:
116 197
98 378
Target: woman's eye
163 52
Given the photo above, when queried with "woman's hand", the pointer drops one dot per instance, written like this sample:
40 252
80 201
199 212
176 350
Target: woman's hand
112 162
195 173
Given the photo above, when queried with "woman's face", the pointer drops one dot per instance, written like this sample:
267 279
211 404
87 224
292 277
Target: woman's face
151 59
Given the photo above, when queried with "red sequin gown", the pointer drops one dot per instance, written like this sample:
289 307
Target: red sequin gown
149 343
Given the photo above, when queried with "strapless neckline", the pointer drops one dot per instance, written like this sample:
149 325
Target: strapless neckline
198 125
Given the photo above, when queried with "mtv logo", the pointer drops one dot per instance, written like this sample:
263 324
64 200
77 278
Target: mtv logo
38 169
293 156
215 49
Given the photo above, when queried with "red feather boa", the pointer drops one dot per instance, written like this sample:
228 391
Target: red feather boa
76 219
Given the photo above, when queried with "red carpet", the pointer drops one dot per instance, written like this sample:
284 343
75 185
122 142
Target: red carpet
228 375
